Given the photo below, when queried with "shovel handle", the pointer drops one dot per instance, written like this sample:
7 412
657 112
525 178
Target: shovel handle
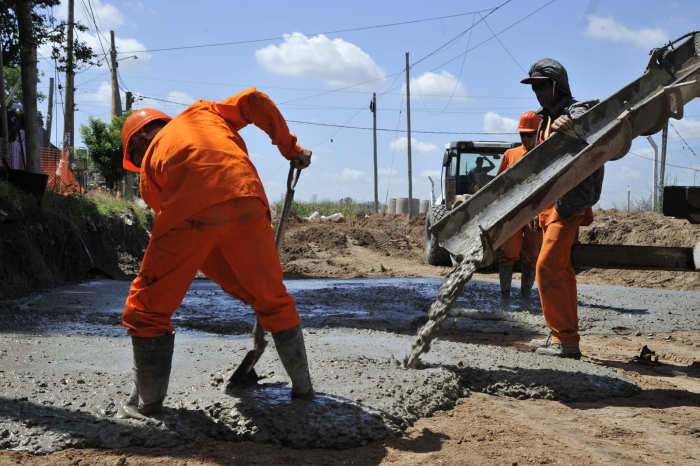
293 176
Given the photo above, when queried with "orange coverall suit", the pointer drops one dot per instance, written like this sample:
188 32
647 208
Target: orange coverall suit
556 278
527 241
212 214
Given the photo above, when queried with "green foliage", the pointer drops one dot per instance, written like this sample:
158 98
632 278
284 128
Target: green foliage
57 208
104 144
12 74
46 30
347 206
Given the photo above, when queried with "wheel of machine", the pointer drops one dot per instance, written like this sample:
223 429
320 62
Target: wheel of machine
435 254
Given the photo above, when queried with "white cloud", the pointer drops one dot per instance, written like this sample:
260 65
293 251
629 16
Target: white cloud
495 123
334 62
256 156
181 97
101 50
102 97
138 6
606 28
170 107
686 127
107 15
417 147
437 86
108 18
627 173
347 175
386 172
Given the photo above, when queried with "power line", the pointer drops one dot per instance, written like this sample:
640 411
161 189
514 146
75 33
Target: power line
346 126
391 167
668 164
461 68
391 130
487 40
681 138
502 45
363 28
459 35
246 86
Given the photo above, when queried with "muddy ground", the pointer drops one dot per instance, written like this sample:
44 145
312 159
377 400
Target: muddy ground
391 246
659 424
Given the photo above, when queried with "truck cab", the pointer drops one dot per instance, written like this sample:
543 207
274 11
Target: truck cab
467 166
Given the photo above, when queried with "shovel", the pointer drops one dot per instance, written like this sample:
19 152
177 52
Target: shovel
245 373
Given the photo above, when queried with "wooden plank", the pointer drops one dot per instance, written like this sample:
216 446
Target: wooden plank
603 256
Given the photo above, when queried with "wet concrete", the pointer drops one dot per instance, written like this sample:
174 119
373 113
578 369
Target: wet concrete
65 363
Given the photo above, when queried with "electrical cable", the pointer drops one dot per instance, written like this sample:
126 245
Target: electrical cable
459 35
246 86
391 130
471 30
490 38
668 164
503 45
391 167
681 138
312 34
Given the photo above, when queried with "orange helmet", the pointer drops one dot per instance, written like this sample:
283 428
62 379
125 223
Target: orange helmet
529 121
132 125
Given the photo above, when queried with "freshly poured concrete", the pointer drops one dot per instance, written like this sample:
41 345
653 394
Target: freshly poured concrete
65 363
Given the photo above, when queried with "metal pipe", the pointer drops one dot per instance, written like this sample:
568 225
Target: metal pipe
655 176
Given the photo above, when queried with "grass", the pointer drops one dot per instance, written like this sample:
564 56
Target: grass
347 206
71 207
108 204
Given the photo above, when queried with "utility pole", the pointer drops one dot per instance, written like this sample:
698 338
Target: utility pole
129 178
49 116
68 132
655 175
408 120
29 71
3 109
117 110
116 99
662 171
373 107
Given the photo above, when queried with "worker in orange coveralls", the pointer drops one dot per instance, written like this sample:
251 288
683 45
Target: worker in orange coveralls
556 279
213 216
528 240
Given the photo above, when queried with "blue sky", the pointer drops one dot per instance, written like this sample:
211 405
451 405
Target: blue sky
603 44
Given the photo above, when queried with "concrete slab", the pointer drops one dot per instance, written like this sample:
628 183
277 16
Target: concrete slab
65 363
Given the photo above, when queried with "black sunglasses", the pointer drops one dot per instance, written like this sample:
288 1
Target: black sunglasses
542 86
527 135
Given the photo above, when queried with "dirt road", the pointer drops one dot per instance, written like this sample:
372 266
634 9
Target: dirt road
660 425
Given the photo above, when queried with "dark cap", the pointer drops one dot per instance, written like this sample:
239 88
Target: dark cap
549 69
536 76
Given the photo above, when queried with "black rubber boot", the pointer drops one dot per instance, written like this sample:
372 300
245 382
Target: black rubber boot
152 361
527 280
505 274
292 353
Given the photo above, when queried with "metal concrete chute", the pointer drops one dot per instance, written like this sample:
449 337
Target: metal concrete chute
603 133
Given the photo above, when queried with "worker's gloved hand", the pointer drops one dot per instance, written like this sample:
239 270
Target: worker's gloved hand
305 158
535 224
563 124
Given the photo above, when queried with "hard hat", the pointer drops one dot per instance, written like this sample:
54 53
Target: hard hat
132 125
529 121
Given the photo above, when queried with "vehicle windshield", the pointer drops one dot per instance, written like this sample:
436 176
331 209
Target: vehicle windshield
468 162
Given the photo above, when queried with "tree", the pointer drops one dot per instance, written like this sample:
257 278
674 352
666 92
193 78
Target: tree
104 144
46 29
12 74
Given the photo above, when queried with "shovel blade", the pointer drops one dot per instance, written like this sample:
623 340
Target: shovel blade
245 373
